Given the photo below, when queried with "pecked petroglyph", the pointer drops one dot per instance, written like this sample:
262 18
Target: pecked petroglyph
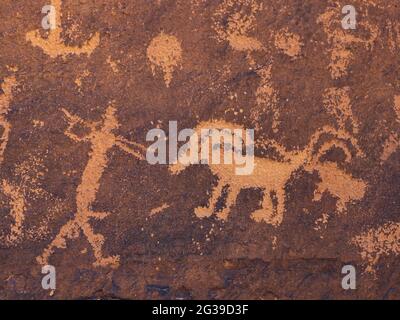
17 200
393 141
165 52
234 22
266 99
54 45
239 24
289 43
5 100
159 209
101 139
337 103
29 174
378 242
393 29
272 176
342 40
396 107
17 203
390 146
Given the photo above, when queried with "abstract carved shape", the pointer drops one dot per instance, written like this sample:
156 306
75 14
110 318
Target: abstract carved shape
165 52
54 44
378 242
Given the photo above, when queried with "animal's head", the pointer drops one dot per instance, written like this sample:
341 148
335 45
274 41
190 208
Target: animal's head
333 179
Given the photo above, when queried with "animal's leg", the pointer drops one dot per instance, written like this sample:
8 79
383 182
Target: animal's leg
230 201
203 212
266 213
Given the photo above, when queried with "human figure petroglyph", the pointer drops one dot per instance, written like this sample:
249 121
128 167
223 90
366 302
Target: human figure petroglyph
341 40
101 139
54 45
272 176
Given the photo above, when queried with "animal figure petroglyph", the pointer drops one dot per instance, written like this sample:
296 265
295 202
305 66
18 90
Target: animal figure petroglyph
272 176
101 139
54 45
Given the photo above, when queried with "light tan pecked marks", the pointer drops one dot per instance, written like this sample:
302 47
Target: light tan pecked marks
375 243
17 203
17 200
266 99
393 29
113 64
80 78
390 146
239 24
101 139
159 209
393 141
341 40
5 100
29 174
397 107
54 45
337 102
288 42
233 22
165 52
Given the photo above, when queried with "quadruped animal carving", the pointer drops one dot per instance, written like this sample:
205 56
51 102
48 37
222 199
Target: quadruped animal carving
272 176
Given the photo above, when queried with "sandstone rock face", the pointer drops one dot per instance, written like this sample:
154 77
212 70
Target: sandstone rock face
77 192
